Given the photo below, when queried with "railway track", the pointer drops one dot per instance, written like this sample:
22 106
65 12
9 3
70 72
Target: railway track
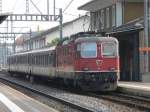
61 100
75 102
142 103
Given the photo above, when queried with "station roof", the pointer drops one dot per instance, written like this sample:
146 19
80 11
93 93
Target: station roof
94 5
3 17
134 25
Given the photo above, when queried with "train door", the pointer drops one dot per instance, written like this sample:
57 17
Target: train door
30 63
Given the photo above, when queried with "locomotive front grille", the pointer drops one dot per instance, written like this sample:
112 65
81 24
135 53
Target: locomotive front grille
102 77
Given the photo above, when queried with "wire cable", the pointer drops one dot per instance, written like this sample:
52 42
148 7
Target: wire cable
14 5
71 14
36 7
68 6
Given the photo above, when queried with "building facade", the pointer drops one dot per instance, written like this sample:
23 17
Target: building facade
123 19
40 39
80 24
29 41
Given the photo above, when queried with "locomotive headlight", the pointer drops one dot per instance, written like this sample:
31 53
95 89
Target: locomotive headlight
86 69
112 68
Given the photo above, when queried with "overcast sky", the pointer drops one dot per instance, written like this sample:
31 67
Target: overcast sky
19 7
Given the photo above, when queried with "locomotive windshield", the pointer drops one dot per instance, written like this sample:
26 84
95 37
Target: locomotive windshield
88 50
109 49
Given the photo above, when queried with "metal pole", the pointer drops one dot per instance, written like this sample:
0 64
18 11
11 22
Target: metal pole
30 41
149 35
2 53
27 6
60 24
54 7
0 6
47 7
146 34
14 47
6 42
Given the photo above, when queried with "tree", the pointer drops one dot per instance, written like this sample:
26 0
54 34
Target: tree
54 42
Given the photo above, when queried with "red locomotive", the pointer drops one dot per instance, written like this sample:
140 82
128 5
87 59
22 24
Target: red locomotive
89 61
84 60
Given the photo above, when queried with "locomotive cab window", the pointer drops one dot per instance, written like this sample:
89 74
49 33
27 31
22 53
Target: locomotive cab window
109 49
88 50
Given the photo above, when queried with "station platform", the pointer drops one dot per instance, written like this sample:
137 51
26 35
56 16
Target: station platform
135 88
12 100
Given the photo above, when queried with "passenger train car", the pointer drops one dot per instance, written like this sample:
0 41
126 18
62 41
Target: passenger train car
84 60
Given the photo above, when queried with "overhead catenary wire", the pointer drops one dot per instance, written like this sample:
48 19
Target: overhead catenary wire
71 14
14 5
36 7
68 6
67 13
38 2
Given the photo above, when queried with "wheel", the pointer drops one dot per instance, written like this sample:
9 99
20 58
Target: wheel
31 79
65 81
12 75
27 76
75 83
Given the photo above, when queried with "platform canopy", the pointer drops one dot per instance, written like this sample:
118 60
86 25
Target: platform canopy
3 17
137 24
94 5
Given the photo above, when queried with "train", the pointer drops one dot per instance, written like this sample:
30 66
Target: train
88 61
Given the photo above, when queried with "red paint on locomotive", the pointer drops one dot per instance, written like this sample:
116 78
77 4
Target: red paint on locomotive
72 59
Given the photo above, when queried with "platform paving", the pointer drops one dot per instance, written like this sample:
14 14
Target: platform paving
12 100
135 88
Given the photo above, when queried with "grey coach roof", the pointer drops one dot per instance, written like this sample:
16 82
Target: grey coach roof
36 51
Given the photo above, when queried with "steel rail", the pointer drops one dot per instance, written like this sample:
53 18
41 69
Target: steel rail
140 102
61 100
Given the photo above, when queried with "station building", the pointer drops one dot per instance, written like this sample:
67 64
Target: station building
40 39
123 19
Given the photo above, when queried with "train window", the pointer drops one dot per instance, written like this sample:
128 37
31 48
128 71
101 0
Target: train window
47 59
109 49
38 60
88 50
43 59
26 59
33 60
43 63
37 63
78 48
